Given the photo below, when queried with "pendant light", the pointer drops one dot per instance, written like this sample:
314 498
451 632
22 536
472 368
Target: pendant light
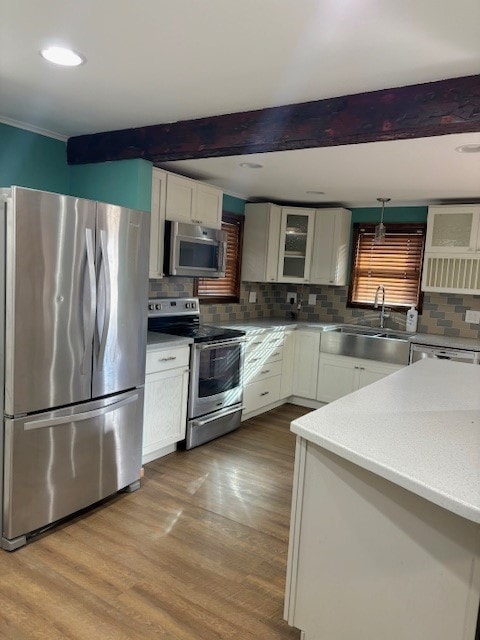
380 228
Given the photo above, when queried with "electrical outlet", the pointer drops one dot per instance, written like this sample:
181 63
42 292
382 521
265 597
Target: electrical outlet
312 299
472 316
291 295
252 296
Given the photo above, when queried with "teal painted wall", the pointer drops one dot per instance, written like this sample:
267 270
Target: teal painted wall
126 182
391 214
233 204
31 160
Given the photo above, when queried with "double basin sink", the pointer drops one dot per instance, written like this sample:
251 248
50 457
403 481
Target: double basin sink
365 342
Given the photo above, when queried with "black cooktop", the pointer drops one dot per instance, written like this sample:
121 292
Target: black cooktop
199 332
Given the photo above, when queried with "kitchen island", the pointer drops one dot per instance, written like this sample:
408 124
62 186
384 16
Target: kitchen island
385 530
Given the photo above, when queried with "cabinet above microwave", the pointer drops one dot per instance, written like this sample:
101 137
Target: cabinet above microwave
179 199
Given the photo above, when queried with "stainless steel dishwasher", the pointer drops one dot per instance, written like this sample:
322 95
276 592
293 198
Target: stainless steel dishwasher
421 351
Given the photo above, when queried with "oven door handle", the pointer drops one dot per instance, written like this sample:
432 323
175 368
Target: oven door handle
219 414
220 343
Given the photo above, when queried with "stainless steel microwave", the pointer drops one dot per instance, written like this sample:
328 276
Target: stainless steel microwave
194 250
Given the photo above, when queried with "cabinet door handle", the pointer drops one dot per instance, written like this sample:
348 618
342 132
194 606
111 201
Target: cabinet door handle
265 393
167 359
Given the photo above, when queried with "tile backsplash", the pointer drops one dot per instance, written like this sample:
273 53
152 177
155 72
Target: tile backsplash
244 310
442 314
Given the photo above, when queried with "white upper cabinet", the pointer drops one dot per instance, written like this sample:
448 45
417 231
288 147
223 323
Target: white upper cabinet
331 244
157 223
296 239
193 202
208 206
261 238
452 249
453 229
289 244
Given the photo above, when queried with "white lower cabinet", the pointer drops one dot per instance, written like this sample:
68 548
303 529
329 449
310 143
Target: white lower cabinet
165 411
268 368
260 394
286 381
305 364
340 375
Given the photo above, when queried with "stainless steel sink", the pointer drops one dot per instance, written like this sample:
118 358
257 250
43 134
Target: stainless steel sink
361 331
367 342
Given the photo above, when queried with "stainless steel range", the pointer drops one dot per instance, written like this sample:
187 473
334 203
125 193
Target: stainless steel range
216 368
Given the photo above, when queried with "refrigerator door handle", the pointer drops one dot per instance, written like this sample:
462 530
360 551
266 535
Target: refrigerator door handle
108 296
89 326
77 417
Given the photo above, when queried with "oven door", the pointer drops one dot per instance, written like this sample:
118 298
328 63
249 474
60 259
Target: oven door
216 378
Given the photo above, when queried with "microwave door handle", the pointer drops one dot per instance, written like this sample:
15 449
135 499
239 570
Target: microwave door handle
222 258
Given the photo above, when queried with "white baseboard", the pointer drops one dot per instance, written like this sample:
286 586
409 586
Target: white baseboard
159 453
306 402
268 407
301 402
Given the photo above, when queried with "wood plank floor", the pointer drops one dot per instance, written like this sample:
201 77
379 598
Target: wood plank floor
199 553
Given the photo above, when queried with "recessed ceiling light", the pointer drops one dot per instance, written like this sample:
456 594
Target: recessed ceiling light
62 56
469 148
316 193
251 165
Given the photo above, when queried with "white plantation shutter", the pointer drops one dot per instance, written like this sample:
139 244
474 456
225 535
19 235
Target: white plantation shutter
225 289
396 264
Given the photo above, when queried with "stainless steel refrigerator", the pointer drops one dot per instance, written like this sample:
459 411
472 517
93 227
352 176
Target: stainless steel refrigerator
75 288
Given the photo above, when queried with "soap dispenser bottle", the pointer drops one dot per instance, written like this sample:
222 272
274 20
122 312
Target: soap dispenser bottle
412 319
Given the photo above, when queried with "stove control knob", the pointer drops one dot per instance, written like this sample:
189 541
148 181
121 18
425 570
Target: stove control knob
158 306
193 305
151 307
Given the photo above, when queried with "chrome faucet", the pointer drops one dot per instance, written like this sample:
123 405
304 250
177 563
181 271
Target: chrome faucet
375 304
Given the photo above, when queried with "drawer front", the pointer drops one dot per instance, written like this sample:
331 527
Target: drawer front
266 352
255 371
260 394
262 342
165 359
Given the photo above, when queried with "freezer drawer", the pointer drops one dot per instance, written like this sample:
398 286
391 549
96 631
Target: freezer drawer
61 461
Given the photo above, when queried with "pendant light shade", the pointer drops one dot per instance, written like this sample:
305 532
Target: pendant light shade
380 229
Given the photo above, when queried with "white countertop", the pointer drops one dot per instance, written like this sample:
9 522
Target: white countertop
156 341
419 428
262 324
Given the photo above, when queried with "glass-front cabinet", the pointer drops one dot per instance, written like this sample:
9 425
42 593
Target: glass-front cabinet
296 236
453 229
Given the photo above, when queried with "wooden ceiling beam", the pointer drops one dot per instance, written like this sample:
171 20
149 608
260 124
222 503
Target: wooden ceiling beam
416 111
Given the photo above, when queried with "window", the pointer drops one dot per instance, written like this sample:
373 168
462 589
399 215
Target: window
225 289
396 264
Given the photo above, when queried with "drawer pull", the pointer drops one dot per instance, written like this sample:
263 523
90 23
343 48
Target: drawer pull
255 343
276 354
254 359
265 393
265 371
167 359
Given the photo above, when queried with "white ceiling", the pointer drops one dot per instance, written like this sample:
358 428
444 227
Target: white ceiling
156 61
